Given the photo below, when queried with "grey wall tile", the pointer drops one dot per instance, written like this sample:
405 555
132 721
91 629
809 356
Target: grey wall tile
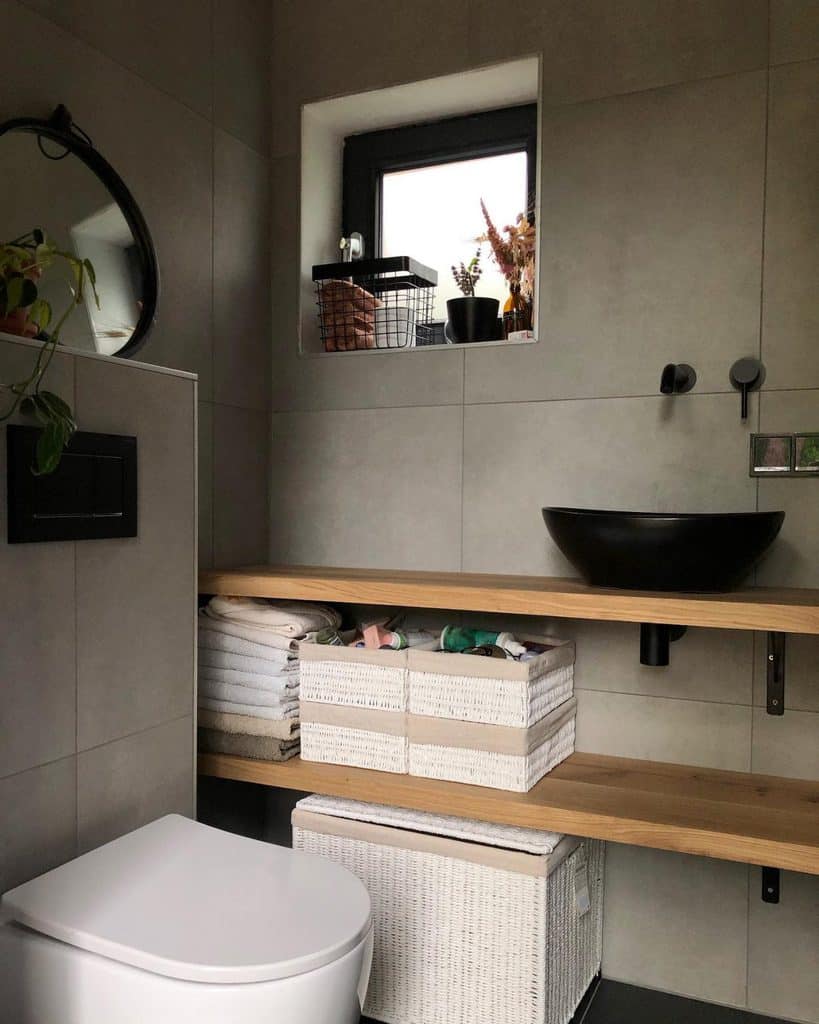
38 821
37 712
594 48
241 285
205 413
161 149
240 485
241 69
676 923
167 44
793 560
794 30
786 744
650 250
367 488
135 597
782 942
687 454
790 313
802 672
127 783
404 43
659 729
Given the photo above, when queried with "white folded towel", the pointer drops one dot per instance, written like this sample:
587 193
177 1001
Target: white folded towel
287 618
284 683
253 711
251 634
247 695
225 643
241 663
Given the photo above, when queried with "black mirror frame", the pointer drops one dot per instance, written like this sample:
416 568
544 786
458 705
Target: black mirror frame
59 128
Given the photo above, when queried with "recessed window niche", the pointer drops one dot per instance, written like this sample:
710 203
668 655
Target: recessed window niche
326 125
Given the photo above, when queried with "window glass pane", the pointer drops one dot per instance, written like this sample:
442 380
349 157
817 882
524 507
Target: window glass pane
434 215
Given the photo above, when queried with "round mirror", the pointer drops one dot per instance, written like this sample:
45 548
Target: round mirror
95 271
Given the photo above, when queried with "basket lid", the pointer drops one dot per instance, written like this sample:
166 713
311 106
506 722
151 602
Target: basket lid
505 837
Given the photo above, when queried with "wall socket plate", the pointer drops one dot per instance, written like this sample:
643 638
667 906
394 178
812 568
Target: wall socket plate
784 455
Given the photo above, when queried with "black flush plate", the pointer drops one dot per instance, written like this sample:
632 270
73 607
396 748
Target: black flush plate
92 495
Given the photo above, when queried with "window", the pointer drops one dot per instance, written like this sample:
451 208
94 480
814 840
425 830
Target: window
416 190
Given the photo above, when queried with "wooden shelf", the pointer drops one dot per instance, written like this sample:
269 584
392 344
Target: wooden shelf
753 819
757 608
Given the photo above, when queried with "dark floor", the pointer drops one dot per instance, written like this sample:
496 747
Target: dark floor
609 1002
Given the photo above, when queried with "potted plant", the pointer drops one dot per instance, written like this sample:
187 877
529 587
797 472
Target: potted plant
24 312
513 250
471 317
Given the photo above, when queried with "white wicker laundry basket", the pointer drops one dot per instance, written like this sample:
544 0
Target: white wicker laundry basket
474 923
353 707
491 722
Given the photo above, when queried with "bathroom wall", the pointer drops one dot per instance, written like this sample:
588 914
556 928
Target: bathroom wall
679 222
97 648
96 652
176 96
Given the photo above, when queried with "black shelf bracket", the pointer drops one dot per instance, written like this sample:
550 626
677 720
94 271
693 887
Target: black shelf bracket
775 663
770 885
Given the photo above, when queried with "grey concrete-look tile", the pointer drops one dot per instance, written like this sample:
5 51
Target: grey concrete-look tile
136 597
802 672
368 488
127 783
794 30
205 486
241 69
38 821
793 560
786 745
241 446
241 286
676 922
684 454
790 321
594 48
618 300
782 942
659 729
37 712
167 44
315 47
164 154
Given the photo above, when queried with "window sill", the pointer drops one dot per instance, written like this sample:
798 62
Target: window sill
476 345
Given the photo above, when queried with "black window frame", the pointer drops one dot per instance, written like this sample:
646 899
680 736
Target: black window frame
369 156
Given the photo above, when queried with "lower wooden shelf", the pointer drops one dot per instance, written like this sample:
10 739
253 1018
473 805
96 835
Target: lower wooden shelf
752 819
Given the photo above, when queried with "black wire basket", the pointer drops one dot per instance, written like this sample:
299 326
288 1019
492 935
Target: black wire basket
375 304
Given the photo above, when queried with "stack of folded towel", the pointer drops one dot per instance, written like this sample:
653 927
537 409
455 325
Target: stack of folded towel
249 674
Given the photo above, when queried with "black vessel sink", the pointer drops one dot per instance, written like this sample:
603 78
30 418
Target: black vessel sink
662 551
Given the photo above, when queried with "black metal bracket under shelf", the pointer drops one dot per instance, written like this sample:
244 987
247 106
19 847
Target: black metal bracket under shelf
770 885
775 662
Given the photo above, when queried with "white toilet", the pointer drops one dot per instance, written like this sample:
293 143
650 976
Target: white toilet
178 922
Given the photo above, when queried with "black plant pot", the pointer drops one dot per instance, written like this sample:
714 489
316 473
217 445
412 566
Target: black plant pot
472 318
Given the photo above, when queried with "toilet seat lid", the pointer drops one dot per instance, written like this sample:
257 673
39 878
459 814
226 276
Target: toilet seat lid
184 900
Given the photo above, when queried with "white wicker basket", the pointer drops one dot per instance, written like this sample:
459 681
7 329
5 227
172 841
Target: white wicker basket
491 690
353 704
501 757
474 923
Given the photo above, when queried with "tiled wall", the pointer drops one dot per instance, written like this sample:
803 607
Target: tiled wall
176 96
97 649
96 652
680 222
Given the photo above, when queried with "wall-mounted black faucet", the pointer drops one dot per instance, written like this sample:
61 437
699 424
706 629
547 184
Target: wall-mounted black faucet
747 375
677 379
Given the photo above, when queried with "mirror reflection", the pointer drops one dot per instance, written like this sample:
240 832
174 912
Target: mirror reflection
56 193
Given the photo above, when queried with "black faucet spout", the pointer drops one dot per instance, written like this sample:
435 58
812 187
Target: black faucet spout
677 379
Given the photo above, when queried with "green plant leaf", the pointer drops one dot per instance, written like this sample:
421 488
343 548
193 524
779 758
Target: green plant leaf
41 313
49 449
58 409
92 277
14 292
